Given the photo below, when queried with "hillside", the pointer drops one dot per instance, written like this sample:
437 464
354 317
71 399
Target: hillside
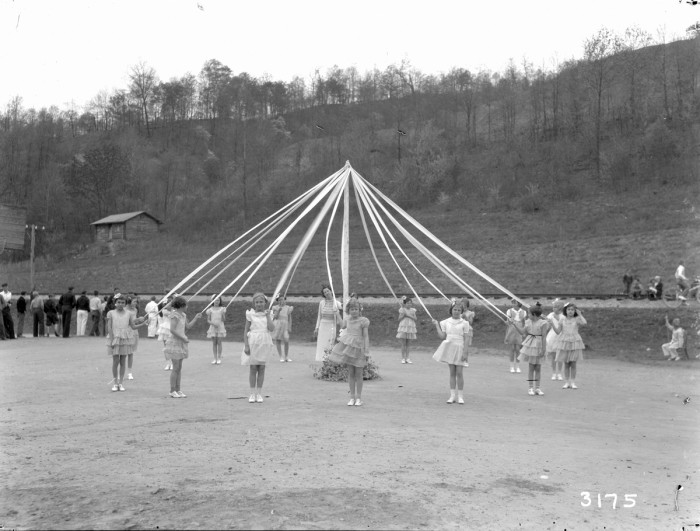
565 247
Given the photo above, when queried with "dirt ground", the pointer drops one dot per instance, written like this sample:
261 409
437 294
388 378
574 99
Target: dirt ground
75 455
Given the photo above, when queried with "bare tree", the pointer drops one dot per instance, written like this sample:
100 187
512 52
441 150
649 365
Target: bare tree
144 84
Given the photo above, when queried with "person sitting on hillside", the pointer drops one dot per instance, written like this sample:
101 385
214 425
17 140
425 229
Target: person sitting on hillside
636 288
655 289
670 349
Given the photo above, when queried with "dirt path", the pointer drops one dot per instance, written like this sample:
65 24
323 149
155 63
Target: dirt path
75 455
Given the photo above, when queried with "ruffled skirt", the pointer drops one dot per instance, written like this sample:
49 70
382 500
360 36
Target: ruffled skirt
262 349
531 351
175 349
216 331
123 343
407 329
449 352
348 350
513 337
570 349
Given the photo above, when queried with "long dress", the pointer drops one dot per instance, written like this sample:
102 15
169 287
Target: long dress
468 316
349 347
262 349
552 335
151 310
569 343
217 327
407 323
452 347
281 322
327 321
531 351
123 336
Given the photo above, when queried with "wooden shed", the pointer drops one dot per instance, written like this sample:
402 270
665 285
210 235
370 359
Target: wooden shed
129 226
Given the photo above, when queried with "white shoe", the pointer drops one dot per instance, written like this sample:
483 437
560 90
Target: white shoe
218 362
281 360
560 377
512 369
121 387
213 362
460 400
566 385
251 399
554 376
174 394
403 360
352 402
130 376
358 402
259 398
574 386
115 388
451 400
182 395
409 361
288 359
531 392
539 392
517 370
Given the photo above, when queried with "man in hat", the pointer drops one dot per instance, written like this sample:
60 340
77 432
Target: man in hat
66 303
7 321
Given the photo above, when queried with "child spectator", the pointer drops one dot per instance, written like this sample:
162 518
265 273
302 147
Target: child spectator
677 340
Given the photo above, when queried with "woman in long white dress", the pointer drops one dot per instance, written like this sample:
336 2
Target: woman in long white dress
329 317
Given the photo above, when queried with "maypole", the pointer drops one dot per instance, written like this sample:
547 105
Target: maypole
345 245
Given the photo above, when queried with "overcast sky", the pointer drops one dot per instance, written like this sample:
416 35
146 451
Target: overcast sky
53 52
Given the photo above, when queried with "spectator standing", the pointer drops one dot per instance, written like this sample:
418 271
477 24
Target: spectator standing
682 280
152 313
36 306
95 312
627 280
21 311
51 314
82 310
6 295
66 303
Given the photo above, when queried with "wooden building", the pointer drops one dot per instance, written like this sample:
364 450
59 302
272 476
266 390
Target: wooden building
129 226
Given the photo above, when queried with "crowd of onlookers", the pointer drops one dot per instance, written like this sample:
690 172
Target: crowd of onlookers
47 315
655 287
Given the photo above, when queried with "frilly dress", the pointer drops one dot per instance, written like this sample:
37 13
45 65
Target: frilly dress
569 343
281 331
513 337
216 316
176 348
123 336
407 326
531 351
451 349
348 349
467 315
262 349
164 325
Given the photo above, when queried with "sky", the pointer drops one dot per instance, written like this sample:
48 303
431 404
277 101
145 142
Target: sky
65 52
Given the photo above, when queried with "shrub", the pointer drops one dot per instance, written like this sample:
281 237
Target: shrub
338 372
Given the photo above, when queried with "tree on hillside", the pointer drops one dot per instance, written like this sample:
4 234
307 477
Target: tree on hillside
97 176
634 40
144 87
599 73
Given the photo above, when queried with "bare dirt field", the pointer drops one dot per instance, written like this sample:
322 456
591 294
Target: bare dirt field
75 455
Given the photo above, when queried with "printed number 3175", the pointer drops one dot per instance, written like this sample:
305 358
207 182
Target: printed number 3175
587 501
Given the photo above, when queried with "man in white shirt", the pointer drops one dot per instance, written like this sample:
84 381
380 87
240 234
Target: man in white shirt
682 280
6 312
152 313
95 312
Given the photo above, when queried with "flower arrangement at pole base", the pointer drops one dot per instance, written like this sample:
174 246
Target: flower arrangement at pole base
338 372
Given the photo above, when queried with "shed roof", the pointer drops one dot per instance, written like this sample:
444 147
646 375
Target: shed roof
121 218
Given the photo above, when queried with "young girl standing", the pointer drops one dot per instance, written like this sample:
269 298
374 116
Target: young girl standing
407 327
352 349
216 315
551 341
282 318
176 348
468 316
259 348
164 329
533 348
569 343
515 315
453 331
120 339
132 305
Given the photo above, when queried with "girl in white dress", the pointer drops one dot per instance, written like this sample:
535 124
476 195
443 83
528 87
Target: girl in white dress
259 348
453 332
327 322
515 315
569 343
551 340
533 350
216 315
407 327
282 319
